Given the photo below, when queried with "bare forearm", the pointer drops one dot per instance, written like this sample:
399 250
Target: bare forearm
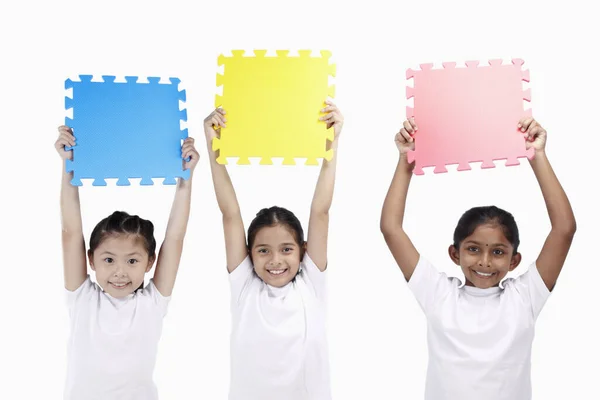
323 196
224 191
180 211
69 206
392 214
558 205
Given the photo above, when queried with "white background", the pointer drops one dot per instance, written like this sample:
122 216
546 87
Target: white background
377 331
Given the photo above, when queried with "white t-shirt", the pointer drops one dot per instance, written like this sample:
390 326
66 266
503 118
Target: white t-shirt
278 340
479 339
112 349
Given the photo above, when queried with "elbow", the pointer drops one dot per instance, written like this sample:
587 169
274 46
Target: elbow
570 228
231 212
566 229
320 210
388 227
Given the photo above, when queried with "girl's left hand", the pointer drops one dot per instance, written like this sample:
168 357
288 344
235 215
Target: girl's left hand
188 150
333 118
535 135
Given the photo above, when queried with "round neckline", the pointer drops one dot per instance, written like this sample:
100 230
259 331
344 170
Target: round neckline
278 291
475 291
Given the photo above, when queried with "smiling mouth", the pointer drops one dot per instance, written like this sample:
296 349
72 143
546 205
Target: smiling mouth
277 272
484 275
119 285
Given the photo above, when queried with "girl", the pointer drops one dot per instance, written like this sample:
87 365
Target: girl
278 341
116 323
480 332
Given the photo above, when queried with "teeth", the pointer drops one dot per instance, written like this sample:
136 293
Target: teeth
276 271
120 284
483 274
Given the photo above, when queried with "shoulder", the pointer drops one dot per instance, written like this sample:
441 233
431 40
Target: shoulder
426 273
151 295
86 288
84 294
530 288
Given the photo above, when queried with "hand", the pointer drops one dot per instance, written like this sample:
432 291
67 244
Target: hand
188 150
333 118
405 138
535 135
213 124
65 138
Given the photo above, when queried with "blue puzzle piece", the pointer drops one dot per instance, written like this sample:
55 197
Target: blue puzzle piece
126 130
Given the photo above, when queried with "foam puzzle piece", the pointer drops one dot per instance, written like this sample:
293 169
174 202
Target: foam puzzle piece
468 114
273 105
126 130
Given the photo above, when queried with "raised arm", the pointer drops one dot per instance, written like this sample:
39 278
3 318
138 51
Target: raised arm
73 244
169 255
318 225
233 225
392 214
557 244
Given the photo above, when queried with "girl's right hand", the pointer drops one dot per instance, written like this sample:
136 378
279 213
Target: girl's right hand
405 138
65 138
213 124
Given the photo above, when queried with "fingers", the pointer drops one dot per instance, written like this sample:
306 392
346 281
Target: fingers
530 128
408 130
524 123
413 124
216 119
66 134
534 131
329 117
188 151
333 114
404 137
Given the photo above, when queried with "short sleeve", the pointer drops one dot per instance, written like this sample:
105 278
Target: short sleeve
428 284
532 289
240 278
314 277
80 295
162 302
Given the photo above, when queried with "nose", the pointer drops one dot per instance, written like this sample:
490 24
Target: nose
484 260
275 260
119 270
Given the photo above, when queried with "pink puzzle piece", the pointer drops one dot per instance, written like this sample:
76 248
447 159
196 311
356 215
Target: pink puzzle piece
468 115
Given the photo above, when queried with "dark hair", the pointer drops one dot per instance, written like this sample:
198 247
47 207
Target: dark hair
477 216
275 216
120 222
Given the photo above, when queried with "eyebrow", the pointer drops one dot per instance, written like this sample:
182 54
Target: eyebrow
135 253
281 244
493 244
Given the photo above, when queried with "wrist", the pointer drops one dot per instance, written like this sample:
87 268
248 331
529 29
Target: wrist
539 155
333 145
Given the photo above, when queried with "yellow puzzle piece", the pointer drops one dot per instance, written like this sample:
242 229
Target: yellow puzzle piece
273 106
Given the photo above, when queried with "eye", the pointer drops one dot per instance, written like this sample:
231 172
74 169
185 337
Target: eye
132 261
472 249
498 252
287 249
108 260
263 251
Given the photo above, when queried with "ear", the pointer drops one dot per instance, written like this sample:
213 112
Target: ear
515 261
454 254
91 260
150 262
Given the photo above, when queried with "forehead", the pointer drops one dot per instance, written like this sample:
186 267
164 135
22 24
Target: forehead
274 235
488 234
122 243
